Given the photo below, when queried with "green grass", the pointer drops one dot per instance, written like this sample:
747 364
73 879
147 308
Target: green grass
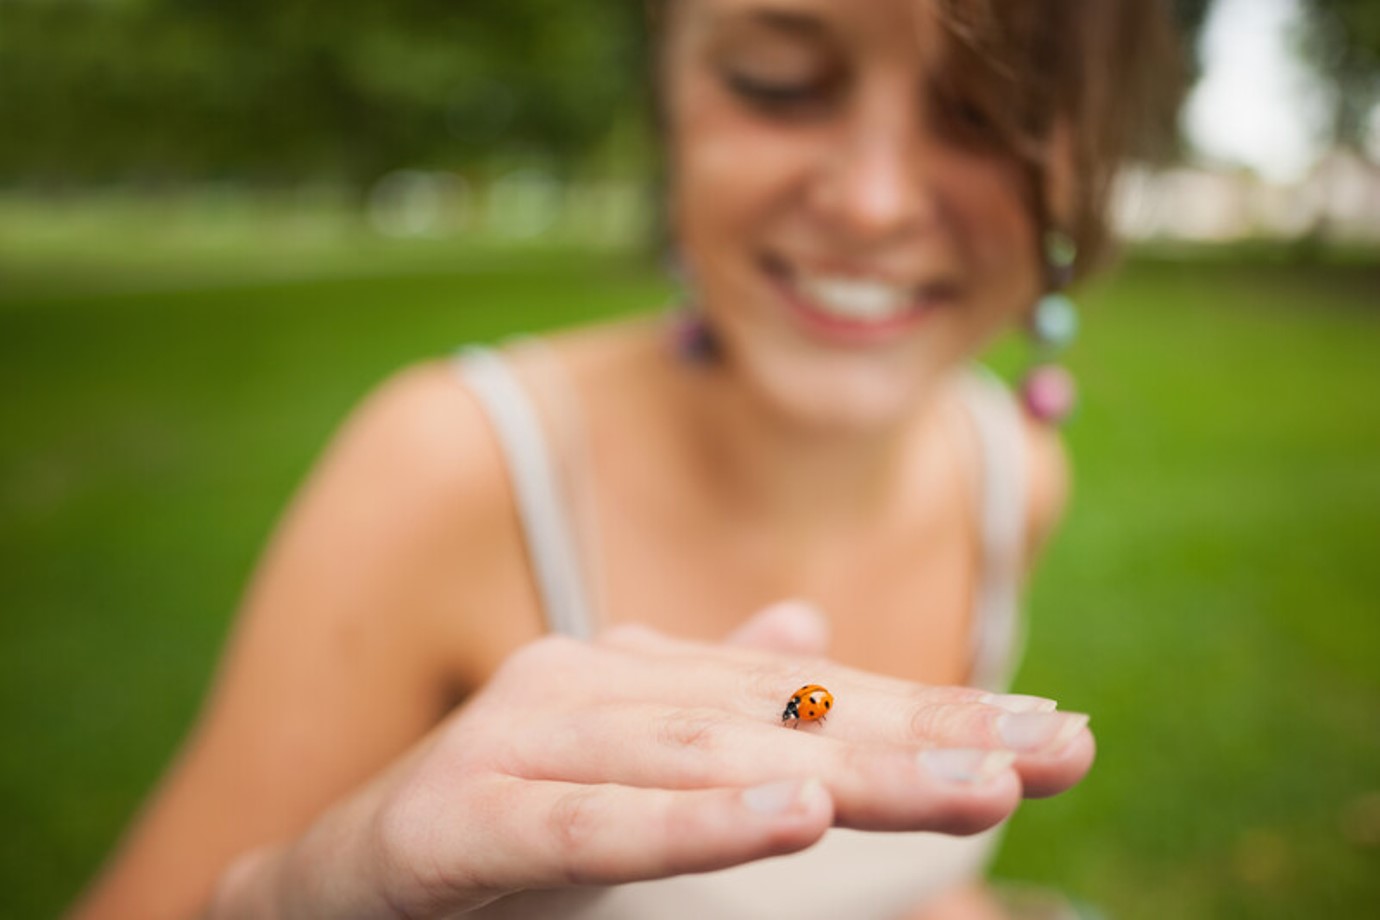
1212 599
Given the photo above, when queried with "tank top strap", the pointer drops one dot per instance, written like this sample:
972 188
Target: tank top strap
541 504
998 634
550 537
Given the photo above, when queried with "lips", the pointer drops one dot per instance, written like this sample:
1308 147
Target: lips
857 300
856 307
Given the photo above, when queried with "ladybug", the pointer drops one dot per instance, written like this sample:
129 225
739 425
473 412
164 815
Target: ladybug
811 703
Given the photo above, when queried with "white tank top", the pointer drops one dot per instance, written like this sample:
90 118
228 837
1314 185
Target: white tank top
847 874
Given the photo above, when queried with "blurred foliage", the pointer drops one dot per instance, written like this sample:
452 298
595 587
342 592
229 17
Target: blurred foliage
1343 42
155 92
151 91
1190 14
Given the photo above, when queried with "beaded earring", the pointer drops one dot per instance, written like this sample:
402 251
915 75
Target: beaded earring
1047 389
691 336
694 341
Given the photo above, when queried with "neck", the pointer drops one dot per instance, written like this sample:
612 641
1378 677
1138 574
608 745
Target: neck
812 483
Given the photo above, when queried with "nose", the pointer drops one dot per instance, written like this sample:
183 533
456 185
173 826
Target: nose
874 184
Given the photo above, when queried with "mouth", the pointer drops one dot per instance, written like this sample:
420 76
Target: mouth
854 308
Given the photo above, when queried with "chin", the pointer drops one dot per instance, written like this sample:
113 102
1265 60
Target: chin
844 395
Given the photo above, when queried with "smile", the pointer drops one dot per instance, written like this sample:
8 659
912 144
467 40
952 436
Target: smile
856 309
856 299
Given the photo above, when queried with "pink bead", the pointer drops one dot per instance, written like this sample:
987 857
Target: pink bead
1049 392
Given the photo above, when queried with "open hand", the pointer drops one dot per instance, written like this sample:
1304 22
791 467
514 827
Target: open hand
641 756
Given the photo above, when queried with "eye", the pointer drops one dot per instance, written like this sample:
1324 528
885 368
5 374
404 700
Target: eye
972 115
965 119
775 96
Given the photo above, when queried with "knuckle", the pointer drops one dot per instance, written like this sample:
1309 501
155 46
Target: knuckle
950 722
397 833
550 648
857 763
681 829
925 720
774 681
406 851
573 825
630 635
698 731
535 663
765 680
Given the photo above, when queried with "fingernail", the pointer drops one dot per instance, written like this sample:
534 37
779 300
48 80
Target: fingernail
1019 702
1045 732
773 798
965 765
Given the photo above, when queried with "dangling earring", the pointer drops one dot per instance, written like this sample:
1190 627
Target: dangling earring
694 341
691 336
1047 389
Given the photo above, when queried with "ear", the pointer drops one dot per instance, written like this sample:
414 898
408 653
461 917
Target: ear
789 626
1061 172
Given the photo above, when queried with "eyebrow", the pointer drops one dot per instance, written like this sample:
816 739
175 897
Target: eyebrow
792 22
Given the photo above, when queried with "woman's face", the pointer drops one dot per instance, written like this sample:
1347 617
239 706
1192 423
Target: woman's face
846 234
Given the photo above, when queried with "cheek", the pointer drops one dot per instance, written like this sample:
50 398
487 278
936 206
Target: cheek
729 171
996 238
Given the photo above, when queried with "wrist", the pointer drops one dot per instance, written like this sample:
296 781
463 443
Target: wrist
326 873
248 888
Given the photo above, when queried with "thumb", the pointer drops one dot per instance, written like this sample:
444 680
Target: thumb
788 626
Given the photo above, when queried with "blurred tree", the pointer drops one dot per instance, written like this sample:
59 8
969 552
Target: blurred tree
1190 15
273 90
1342 40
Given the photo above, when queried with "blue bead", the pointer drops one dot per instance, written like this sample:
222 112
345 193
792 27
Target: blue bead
1055 322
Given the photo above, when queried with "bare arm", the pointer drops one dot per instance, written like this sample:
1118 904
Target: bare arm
584 764
332 669
338 673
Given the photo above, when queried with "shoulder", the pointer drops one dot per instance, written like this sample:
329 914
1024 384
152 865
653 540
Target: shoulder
416 450
1030 452
422 421
350 643
1048 482
408 512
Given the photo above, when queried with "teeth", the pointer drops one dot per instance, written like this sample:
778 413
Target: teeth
856 298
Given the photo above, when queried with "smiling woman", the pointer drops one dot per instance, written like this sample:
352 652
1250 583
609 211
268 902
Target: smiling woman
861 194
869 167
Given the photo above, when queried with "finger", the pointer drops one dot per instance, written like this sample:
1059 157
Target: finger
1054 748
790 626
867 706
1046 775
559 834
640 638
874 786
757 684
747 677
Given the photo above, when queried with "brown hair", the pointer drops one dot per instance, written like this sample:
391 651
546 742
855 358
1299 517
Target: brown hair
1103 78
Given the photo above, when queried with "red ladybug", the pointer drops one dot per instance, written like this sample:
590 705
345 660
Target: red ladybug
811 703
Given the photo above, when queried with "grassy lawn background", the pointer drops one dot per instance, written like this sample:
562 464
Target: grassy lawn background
1212 599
